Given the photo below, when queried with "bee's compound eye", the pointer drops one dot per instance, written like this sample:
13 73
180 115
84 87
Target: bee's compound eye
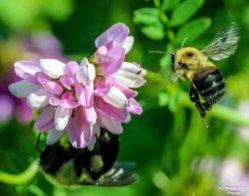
190 54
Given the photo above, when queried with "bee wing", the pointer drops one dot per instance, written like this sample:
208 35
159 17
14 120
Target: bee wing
224 44
119 175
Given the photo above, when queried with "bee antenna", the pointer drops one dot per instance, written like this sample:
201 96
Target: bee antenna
183 42
156 51
160 52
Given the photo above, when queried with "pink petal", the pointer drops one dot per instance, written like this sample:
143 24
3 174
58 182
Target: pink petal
67 100
103 85
90 115
72 67
84 95
67 81
109 123
80 132
54 101
50 85
135 107
45 121
23 113
129 93
114 36
27 70
109 110
115 58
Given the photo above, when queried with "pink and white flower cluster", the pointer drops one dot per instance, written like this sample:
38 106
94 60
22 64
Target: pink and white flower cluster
81 98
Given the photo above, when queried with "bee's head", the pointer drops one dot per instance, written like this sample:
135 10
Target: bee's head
184 60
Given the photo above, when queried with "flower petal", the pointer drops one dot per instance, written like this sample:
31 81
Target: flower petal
114 59
67 100
38 98
84 95
72 67
129 93
109 123
90 115
54 136
67 82
103 87
52 86
53 67
116 98
135 107
113 36
27 70
54 101
23 88
129 79
133 68
128 43
86 73
109 110
80 132
45 121
62 116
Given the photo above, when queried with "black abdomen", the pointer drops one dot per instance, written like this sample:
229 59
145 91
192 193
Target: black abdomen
209 83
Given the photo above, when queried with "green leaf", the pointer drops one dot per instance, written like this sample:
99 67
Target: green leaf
169 4
192 30
147 16
185 11
154 31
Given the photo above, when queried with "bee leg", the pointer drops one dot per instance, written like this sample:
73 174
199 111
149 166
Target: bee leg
207 105
194 97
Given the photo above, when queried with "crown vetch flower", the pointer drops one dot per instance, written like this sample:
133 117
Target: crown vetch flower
33 45
82 98
115 78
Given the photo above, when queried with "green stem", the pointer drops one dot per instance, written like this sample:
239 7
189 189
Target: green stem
218 111
24 177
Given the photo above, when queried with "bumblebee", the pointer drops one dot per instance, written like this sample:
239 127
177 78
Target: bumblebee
191 64
68 166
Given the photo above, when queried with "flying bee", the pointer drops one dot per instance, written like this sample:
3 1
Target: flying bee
68 166
191 64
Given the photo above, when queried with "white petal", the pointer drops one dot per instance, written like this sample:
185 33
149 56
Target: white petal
90 68
52 67
62 116
54 136
38 98
111 124
130 67
129 79
128 43
23 88
86 73
116 98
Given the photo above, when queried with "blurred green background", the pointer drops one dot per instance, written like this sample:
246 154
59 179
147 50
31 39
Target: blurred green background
174 153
